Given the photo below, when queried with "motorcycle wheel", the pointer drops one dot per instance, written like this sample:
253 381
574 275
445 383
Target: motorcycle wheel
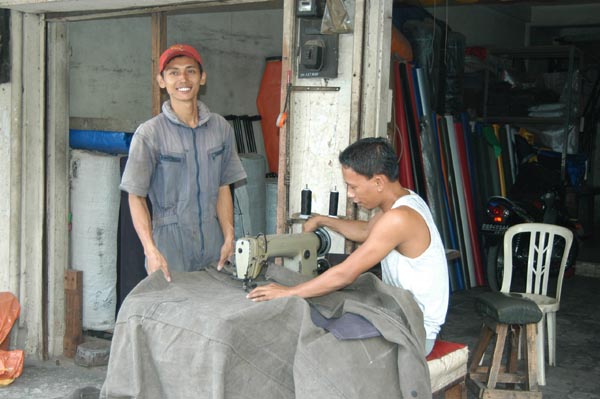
495 266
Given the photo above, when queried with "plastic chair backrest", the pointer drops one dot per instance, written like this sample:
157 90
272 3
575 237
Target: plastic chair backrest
541 245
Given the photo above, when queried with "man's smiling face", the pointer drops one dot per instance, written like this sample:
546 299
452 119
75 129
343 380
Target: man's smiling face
182 78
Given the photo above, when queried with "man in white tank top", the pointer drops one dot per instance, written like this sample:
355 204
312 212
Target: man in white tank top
402 236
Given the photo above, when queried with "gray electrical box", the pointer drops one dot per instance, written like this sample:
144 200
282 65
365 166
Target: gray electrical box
310 8
318 52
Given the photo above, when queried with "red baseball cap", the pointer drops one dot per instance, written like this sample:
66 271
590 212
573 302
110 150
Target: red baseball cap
176 50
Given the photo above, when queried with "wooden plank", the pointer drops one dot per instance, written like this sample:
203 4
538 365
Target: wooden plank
73 311
159 44
32 195
57 183
501 331
376 68
356 96
16 156
287 70
104 124
533 369
85 10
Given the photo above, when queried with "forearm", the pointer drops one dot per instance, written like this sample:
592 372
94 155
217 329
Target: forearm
225 213
332 280
140 215
353 230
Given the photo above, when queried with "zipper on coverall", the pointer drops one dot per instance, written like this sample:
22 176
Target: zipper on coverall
198 192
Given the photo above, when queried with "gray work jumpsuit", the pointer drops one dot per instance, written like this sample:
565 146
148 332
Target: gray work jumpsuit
180 169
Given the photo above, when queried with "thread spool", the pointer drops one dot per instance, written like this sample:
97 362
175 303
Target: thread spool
306 202
333 202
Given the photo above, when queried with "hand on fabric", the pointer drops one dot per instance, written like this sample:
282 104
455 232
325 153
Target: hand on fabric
311 224
226 253
268 292
156 261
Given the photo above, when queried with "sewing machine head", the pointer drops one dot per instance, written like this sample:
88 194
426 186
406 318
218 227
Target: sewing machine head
300 251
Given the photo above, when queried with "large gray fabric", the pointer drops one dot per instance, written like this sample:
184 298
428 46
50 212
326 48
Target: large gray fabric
199 337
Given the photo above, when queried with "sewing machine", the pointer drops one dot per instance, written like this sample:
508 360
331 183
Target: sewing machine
301 252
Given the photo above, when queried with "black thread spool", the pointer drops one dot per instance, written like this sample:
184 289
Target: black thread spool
333 202
305 206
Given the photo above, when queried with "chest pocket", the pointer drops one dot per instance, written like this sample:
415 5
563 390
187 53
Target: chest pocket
170 179
215 161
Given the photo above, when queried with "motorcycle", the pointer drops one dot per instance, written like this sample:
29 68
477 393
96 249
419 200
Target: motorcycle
536 197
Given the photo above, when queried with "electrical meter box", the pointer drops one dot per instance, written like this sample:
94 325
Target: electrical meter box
310 8
318 56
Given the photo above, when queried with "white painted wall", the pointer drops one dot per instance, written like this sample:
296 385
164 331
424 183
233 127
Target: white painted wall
5 96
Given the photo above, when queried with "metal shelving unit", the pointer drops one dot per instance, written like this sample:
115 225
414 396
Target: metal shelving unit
573 55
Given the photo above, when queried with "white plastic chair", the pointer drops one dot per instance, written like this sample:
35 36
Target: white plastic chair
541 245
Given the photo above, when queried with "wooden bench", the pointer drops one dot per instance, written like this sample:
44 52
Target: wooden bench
448 369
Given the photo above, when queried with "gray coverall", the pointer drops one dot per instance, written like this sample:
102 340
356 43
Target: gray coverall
181 169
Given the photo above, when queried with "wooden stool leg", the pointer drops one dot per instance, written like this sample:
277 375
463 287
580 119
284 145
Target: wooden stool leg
513 359
532 367
501 330
485 336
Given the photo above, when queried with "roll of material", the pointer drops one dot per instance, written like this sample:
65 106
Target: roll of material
333 203
95 199
249 197
271 205
306 203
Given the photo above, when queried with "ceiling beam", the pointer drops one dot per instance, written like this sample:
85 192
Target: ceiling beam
75 10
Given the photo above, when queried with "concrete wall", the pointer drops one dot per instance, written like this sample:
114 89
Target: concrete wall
110 68
110 81
581 14
485 25
5 95
233 47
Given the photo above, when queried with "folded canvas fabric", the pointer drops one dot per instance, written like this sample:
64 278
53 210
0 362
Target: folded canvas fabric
199 337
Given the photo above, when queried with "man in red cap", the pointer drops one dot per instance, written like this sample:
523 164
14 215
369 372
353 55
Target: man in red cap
183 160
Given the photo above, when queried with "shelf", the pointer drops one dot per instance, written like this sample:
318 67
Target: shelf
568 52
539 52
522 120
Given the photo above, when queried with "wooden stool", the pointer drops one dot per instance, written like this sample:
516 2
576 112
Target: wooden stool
503 317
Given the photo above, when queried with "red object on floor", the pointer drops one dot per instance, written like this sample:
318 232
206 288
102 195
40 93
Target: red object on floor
11 362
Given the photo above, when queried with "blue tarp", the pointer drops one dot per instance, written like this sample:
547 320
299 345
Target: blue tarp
98 140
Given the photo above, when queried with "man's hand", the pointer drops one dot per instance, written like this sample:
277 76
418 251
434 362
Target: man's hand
155 261
268 292
311 224
226 253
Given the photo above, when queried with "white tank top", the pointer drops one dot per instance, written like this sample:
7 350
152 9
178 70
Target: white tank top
426 276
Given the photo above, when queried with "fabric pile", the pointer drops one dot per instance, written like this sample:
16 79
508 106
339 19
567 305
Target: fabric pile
199 336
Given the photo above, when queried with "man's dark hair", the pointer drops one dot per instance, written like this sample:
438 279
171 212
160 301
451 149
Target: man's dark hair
371 156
